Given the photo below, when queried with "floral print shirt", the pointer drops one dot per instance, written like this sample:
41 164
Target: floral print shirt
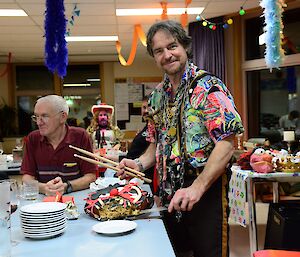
208 116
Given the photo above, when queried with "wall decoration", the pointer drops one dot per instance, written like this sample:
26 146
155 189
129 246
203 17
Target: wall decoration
274 53
56 52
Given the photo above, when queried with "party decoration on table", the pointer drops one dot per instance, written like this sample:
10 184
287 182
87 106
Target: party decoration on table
274 53
71 210
287 163
71 21
117 201
244 160
5 71
261 161
138 33
237 198
56 52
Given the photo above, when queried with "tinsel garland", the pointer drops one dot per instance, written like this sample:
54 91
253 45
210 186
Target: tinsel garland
56 52
274 53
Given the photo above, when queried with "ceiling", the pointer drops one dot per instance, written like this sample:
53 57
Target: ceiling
23 36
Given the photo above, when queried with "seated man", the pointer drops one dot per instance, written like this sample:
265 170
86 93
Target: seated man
48 158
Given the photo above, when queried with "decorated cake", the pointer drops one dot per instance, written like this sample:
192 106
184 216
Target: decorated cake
117 201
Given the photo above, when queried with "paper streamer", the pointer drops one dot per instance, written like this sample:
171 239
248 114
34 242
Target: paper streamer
138 33
7 65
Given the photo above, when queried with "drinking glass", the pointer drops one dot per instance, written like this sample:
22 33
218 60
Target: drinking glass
30 190
5 232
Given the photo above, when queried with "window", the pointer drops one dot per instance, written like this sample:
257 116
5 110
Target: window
33 78
254 32
270 96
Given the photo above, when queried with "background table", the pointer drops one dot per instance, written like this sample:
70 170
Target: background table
242 186
149 239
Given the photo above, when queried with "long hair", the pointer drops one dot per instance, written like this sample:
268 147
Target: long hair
175 29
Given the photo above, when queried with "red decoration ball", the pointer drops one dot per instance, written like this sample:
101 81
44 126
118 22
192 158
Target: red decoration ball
114 192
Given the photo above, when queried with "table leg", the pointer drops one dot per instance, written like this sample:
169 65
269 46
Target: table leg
252 216
275 192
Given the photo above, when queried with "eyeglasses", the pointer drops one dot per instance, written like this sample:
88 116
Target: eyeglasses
44 117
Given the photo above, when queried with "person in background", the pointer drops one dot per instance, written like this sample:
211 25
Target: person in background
290 121
102 131
194 124
48 157
139 143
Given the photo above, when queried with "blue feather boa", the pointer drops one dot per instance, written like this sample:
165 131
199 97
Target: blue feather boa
56 52
274 53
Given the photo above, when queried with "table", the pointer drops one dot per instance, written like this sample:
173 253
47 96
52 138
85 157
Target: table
247 189
148 239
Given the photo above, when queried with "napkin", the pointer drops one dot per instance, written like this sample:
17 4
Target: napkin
71 210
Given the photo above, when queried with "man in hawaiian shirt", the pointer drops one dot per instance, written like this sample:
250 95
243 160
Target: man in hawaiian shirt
194 123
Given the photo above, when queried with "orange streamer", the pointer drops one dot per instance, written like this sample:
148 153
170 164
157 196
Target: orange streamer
138 33
184 16
184 19
7 65
164 6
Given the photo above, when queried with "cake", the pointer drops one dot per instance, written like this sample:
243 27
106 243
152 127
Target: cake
117 202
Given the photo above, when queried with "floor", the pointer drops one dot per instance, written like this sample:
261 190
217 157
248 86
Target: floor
239 236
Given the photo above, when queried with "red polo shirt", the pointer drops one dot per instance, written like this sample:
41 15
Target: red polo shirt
44 163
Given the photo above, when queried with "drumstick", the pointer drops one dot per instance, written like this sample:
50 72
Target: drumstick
111 167
105 159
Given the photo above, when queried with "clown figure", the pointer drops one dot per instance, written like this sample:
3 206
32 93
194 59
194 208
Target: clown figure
103 133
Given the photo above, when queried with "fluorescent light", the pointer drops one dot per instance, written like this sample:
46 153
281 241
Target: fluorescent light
93 80
12 12
92 38
78 85
158 11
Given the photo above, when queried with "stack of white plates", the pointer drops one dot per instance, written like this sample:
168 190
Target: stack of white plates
43 220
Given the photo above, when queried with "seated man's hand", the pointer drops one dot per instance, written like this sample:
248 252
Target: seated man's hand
54 185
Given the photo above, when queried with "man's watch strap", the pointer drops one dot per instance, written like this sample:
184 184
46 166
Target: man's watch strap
69 188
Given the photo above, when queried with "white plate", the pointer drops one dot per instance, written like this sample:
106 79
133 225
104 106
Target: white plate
46 235
43 207
42 220
46 215
114 227
43 225
42 230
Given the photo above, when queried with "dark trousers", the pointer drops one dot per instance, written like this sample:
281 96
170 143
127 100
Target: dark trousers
204 230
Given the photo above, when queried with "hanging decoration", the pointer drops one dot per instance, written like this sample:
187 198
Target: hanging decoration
214 25
164 14
225 24
71 21
56 52
138 33
184 16
274 53
5 71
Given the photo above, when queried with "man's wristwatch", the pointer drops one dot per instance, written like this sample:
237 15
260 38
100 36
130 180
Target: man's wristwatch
69 188
138 162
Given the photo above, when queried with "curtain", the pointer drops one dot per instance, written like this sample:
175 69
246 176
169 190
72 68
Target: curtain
208 47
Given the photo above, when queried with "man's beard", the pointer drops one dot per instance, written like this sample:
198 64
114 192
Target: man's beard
103 123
